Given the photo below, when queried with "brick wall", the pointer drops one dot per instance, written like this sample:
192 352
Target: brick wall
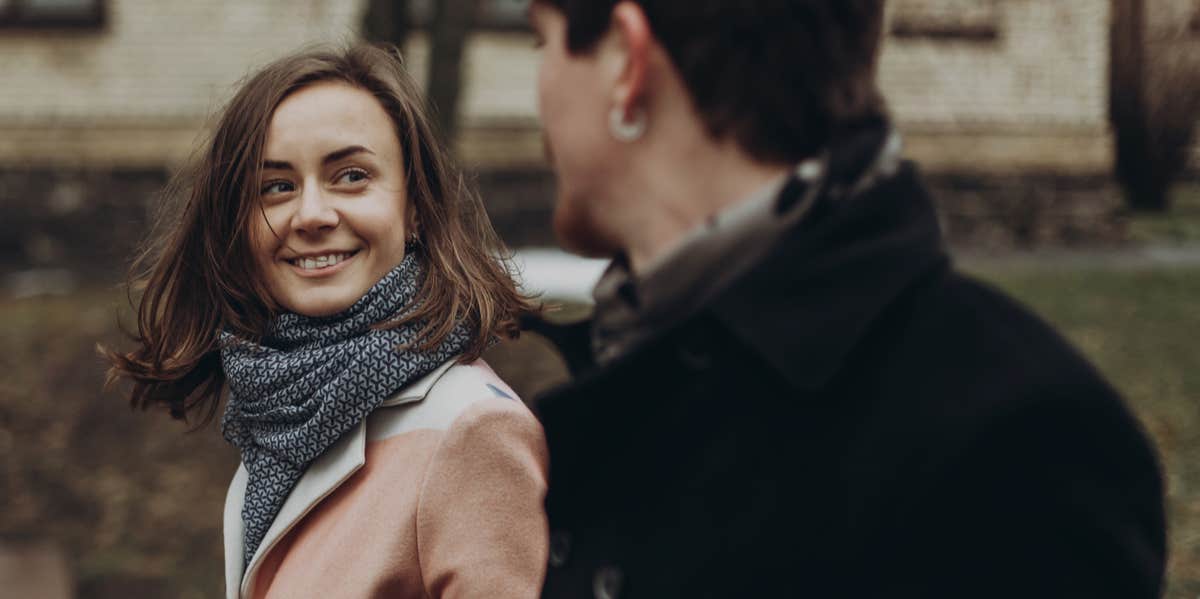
1045 66
155 60
1006 85
994 84
136 92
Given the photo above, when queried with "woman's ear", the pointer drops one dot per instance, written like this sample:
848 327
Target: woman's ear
634 39
412 224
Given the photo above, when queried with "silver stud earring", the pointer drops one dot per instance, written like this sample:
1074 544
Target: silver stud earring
627 130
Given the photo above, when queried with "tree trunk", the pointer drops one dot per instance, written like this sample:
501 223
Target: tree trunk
1154 103
387 22
1127 106
452 20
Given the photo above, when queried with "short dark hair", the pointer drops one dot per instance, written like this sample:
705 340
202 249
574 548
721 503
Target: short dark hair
781 77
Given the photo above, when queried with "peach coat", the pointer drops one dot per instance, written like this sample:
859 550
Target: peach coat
439 493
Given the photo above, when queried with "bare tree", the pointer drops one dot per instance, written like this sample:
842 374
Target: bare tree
452 21
1154 105
391 21
387 21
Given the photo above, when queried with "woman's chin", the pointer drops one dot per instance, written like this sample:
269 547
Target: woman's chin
319 307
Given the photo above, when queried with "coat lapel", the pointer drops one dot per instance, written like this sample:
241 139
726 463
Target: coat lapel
419 389
233 532
321 478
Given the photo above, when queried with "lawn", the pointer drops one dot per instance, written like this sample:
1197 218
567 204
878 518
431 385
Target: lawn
1180 225
135 500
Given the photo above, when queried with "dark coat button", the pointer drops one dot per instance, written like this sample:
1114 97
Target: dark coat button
560 548
607 583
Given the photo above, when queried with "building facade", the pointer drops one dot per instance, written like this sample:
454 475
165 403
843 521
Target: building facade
133 89
1007 84
101 99
1001 84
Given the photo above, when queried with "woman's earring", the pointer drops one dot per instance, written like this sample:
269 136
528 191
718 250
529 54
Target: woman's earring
626 130
413 243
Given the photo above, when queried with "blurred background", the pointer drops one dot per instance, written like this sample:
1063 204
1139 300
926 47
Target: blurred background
1057 135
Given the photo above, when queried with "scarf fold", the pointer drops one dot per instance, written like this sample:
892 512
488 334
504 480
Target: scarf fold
311 380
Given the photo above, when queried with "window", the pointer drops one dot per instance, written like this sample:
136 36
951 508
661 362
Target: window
969 20
492 14
53 14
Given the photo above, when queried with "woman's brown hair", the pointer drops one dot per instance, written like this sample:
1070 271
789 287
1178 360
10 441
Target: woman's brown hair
197 276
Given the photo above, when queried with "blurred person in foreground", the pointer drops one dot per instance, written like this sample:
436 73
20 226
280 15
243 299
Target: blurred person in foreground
786 390
335 274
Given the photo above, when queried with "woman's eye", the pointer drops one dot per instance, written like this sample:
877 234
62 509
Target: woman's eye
352 176
275 187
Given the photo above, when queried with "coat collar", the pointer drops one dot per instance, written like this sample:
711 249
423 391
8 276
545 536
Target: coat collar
860 233
868 232
321 478
809 303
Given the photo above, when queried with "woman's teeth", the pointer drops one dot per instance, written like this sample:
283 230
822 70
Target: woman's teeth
319 261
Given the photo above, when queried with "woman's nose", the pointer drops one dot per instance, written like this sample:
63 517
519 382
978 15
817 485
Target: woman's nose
315 212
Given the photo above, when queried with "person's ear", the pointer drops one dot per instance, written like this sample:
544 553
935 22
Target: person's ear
413 225
633 34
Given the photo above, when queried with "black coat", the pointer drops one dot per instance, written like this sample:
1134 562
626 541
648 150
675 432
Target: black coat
852 418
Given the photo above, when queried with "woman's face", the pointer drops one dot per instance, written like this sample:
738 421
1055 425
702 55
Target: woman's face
335 210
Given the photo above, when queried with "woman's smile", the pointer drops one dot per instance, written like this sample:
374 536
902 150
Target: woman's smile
335 209
319 265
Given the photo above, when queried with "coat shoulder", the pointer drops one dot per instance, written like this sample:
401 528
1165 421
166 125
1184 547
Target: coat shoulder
452 395
962 352
969 327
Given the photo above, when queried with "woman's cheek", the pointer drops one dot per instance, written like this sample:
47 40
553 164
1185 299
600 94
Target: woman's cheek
268 233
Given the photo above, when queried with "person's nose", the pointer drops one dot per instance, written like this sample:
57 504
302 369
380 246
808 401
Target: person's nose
316 213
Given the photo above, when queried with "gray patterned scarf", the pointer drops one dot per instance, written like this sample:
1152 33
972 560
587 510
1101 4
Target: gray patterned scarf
312 379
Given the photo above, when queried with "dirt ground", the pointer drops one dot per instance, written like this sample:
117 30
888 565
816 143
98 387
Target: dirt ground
133 500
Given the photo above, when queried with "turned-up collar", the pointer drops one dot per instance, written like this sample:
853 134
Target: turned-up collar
731 265
631 308
810 302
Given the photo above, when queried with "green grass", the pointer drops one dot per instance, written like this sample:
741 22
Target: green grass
1179 226
136 501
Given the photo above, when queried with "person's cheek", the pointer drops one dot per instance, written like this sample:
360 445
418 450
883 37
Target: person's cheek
547 147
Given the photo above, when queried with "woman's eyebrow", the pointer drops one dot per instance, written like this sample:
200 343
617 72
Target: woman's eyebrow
280 165
345 153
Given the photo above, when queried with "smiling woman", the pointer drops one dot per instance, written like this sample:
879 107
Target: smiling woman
336 213
332 271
